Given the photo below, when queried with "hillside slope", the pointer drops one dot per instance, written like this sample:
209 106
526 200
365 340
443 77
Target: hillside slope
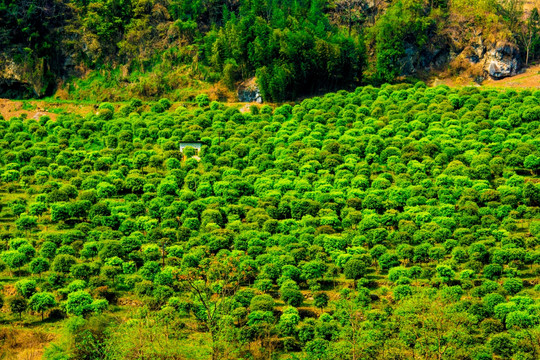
383 223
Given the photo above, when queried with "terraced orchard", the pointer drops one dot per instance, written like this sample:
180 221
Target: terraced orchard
399 222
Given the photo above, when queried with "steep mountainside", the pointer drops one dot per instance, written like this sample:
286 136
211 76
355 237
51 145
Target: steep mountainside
119 49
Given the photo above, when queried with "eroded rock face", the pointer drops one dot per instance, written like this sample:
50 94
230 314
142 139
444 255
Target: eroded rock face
502 60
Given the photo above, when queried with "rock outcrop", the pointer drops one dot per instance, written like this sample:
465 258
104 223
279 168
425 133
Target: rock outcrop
497 61
475 51
502 60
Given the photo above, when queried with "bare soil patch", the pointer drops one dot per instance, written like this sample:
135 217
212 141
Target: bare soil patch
528 79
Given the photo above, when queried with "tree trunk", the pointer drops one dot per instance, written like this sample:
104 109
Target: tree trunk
215 355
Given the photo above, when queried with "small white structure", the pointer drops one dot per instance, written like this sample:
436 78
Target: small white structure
195 145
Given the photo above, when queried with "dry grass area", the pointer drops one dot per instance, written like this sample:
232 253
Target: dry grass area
23 344
36 109
529 79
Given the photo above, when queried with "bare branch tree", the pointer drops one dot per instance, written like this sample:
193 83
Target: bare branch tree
212 284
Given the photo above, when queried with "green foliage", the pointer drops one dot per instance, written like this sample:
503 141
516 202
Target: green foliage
41 302
502 345
63 263
262 303
402 291
26 222
364 210
38 265
445 272
513 286
402 20
292 296
202 100
14 259
17 305
283 43
26 287
354 269
80 303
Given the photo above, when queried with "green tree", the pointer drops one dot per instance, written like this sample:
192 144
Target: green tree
502 345
63 263
513 285
18 305
79 303
532 162
210 286
354 269
202 100
14 259
292 296
26 223
445 273
493 271
41 302
288 321
320 300
26 287
388 261
428 327
38 266
262 303
313 270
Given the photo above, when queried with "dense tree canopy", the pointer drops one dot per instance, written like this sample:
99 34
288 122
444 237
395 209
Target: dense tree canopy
383 221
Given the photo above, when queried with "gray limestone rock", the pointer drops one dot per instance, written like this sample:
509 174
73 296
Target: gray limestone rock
502 60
